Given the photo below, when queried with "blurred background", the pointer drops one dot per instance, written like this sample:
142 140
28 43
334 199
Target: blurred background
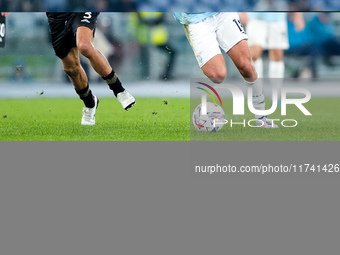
152 49
166 5
143 48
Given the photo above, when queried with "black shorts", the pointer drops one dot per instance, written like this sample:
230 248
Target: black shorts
63 29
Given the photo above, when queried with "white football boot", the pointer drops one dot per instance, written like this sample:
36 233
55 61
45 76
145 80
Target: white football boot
89 114
126 99
264 122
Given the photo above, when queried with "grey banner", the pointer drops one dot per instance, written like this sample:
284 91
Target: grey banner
265 159
143 198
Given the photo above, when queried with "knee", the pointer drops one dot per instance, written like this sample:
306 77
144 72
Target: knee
85 48
248 72
217 75
72 71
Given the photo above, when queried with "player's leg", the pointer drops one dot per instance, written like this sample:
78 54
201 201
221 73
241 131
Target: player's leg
276 64
77 75
74 70
64 47
100 64
215 69
202 38
232 39
257 34
277 43
240 54
87 49
256 55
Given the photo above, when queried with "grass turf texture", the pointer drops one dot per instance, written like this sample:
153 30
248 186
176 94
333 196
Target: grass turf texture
153 119
323 125
47 119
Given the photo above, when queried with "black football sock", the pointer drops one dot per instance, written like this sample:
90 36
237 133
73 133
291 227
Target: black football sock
114 83
87 97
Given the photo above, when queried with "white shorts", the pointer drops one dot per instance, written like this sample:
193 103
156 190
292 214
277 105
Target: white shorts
221 30
268 35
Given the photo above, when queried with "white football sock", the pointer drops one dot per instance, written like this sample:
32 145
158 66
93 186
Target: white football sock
259 67
276 69
258 96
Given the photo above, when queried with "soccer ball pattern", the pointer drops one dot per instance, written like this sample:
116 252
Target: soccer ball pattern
213 121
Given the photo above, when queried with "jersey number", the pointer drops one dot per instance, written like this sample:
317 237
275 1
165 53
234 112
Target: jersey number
88 15
239 25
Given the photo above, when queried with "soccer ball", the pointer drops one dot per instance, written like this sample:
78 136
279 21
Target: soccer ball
213 121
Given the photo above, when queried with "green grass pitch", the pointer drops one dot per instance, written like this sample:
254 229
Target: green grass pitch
153 119
323 125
